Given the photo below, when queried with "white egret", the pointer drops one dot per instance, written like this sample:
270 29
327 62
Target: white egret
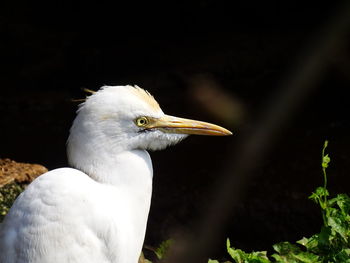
97 211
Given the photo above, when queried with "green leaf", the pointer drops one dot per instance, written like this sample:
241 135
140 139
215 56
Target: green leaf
342 256
324 237
213 261
236 254
309 243
325 158
343 201
163 248
306 257
285 248
304 241
338 226
289 253
325 161
320 193
240 256
260 256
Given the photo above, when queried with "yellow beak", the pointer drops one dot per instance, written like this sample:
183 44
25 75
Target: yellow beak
172 124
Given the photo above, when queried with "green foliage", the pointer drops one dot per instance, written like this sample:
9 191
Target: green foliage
240 256
331 245
8 194
289 253
160 252
163 248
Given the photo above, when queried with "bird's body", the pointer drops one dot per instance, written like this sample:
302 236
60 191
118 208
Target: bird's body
98 211
92 228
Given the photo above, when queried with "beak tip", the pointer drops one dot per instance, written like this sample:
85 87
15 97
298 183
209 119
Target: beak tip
227 133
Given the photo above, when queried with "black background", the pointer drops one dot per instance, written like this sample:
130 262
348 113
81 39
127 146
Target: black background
51 50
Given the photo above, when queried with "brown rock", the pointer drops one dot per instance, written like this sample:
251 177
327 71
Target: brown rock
23 173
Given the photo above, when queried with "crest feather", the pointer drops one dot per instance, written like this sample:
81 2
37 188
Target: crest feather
145 96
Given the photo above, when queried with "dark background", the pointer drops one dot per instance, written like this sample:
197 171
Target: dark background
245 50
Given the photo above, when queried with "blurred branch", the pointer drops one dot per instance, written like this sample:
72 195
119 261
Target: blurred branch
226 107
281 107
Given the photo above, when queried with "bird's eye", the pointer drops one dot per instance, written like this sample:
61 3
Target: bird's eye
141 121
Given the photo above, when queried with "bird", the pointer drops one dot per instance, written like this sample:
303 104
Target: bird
96 209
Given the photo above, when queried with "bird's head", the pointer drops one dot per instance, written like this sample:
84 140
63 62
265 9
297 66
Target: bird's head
128 118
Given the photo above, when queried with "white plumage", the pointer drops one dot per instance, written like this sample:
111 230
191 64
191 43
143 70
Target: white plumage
98 211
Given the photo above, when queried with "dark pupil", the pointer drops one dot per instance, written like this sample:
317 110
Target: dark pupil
142 121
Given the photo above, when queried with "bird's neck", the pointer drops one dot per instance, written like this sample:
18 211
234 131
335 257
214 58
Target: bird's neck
131 168
124 169
107 164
